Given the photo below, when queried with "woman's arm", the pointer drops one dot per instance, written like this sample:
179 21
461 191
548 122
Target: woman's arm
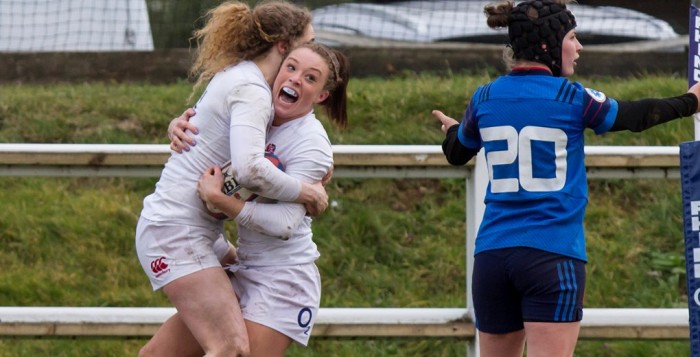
225 251
273 219
455 153
209 190
249 121
643 114
310 160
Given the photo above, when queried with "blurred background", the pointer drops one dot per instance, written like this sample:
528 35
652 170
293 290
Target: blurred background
402 35
69 25
385 242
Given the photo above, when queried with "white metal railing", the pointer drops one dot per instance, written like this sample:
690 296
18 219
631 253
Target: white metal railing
605 323
368 161
393 161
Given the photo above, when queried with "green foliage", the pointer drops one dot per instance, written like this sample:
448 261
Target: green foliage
404 117
384 242
89 112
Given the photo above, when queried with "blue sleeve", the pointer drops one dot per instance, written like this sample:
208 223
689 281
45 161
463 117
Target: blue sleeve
599 111
468 133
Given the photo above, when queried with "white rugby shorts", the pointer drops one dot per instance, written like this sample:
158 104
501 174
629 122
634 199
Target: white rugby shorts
284 298
171 251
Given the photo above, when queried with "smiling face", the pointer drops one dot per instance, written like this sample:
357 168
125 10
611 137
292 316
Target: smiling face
299 85
570 49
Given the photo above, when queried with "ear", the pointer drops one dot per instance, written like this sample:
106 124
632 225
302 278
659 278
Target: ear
282 47
322 97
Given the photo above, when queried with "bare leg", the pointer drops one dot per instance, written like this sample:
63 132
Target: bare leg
551 339
208 307
173 338
502 345
266 342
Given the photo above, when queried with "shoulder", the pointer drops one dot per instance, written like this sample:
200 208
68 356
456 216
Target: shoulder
308 133
247 90
484 89
589 95
575 93
311 122
595 95
481 94
582 89
313 130
243 76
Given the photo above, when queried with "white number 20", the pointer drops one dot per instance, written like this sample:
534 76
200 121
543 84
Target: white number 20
519 146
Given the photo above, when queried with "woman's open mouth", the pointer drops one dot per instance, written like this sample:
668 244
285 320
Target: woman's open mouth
288 95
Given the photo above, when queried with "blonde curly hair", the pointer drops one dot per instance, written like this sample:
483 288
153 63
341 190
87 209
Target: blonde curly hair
233 32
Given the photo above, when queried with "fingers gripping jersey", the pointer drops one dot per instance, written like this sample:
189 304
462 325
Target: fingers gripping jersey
530 125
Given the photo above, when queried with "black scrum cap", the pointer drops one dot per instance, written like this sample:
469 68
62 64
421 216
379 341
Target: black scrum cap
536 31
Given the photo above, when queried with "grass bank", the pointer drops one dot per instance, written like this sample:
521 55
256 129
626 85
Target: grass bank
385 243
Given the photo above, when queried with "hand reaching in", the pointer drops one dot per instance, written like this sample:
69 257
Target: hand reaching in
179 139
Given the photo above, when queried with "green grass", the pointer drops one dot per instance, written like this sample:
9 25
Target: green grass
386 243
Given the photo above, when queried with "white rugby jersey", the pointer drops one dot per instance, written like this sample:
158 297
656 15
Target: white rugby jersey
303 147
233 115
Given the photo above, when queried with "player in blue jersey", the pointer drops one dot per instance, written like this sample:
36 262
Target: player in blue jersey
530 254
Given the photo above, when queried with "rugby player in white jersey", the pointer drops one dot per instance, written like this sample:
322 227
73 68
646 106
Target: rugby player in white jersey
239 53
273 272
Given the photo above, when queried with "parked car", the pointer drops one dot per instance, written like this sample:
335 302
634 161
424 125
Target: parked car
464 21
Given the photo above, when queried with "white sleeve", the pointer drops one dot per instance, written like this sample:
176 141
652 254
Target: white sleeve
281 219
312 162
221 247
273 219
251 110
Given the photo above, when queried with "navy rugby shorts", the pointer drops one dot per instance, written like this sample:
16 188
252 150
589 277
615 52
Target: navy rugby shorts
515 285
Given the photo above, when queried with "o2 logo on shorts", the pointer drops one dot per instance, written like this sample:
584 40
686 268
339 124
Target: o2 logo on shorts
304 319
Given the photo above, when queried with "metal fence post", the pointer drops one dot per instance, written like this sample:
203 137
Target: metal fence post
477 181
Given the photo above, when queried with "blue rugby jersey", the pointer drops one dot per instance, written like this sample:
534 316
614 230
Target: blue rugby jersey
530 125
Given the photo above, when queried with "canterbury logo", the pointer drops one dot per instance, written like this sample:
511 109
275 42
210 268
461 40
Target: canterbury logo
159 267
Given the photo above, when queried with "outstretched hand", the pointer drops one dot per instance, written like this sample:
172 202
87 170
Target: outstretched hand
446 121
179 140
